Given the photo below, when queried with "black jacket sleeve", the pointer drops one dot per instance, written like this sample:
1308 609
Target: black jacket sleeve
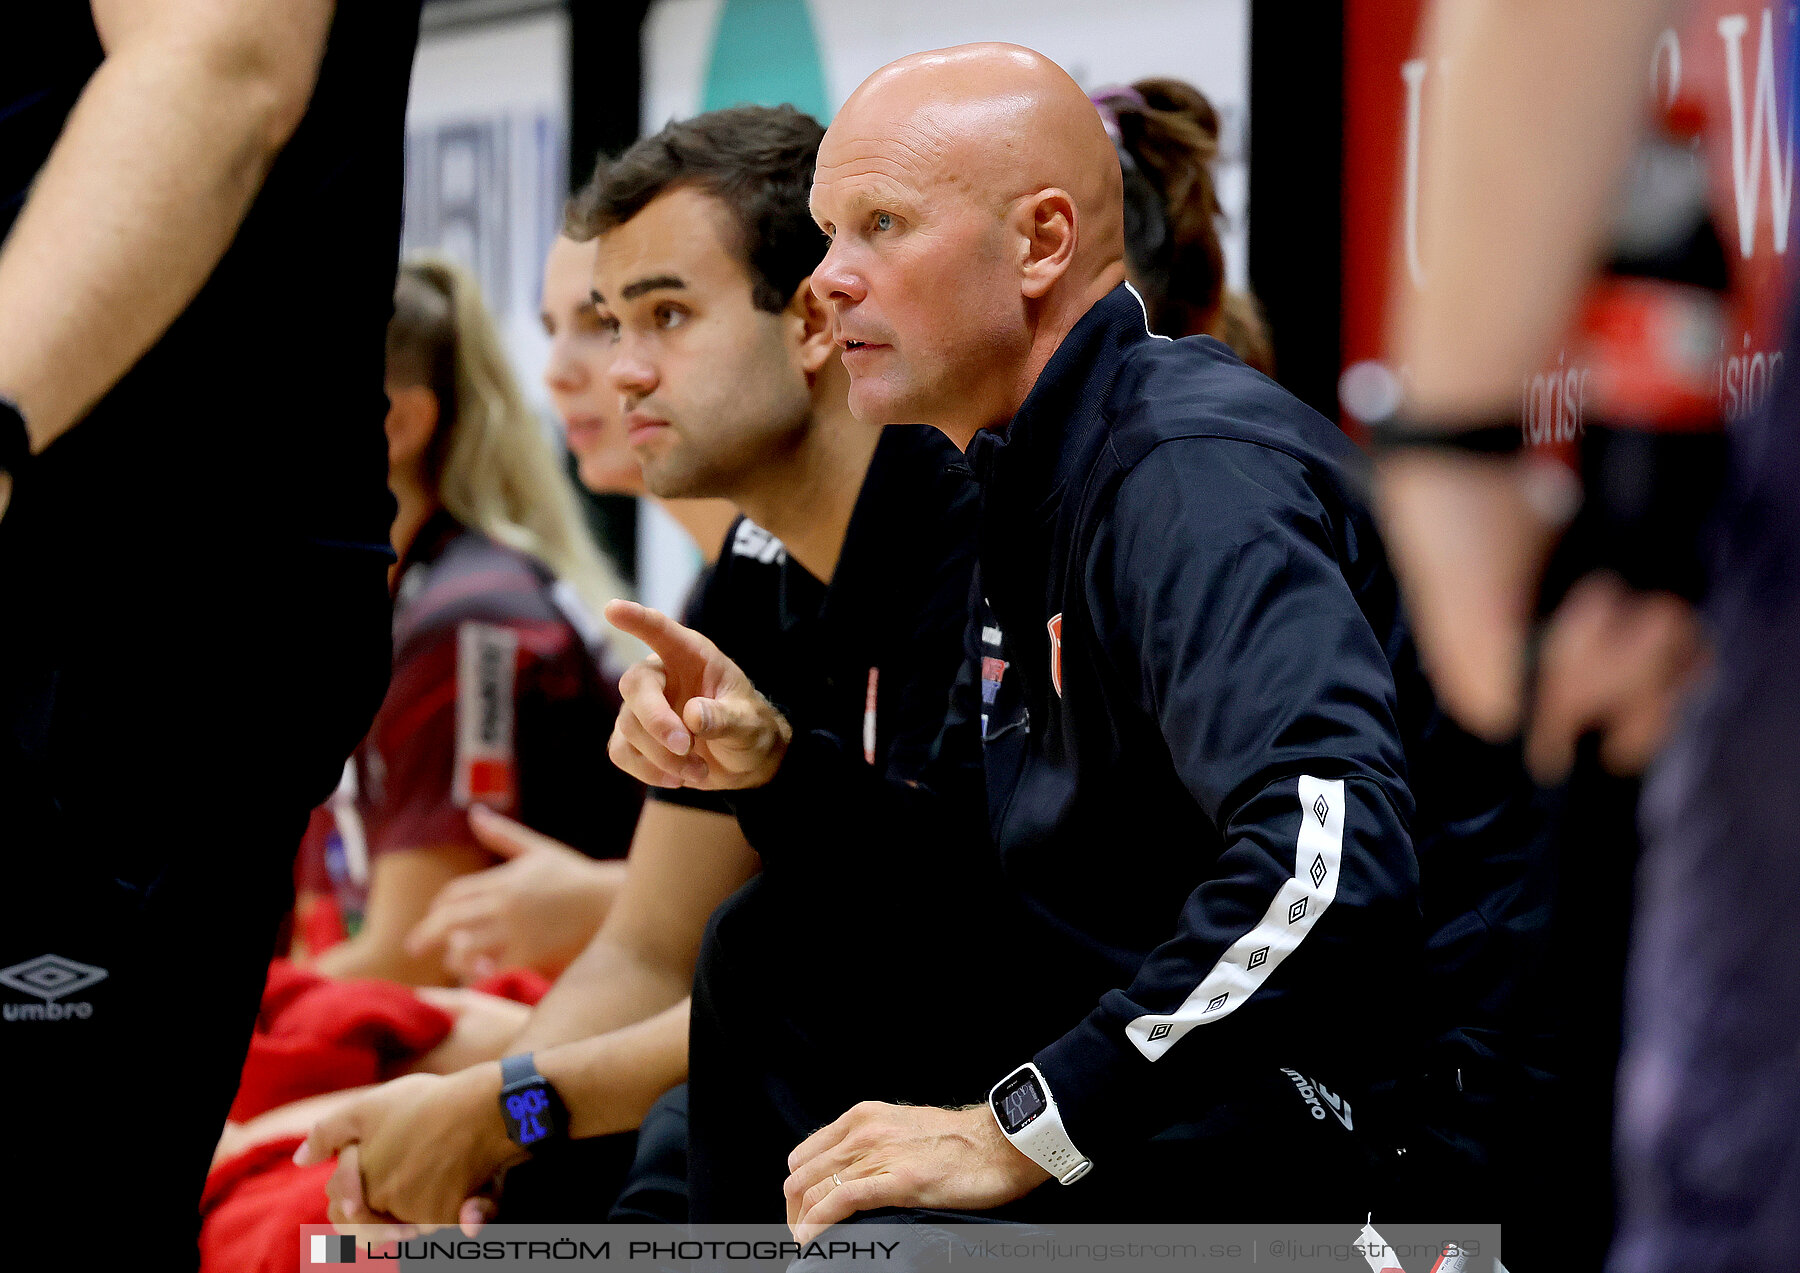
1217 588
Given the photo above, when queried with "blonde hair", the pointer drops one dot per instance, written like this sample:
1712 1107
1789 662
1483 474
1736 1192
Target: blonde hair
491 461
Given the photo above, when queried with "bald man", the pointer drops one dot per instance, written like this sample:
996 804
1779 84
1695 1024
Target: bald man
1191 689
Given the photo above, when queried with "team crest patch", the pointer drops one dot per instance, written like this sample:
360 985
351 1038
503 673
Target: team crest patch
1055 626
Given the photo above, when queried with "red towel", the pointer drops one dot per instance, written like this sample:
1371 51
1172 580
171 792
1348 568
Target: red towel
318 1035
254 1205
313 1035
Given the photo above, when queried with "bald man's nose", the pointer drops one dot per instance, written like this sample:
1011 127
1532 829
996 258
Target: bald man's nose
835 281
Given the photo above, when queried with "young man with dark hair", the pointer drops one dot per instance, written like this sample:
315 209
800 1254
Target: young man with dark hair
843 588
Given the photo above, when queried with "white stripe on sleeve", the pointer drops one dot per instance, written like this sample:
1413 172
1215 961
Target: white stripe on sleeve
1248 961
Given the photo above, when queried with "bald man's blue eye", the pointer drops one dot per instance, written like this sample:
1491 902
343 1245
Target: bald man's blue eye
883 221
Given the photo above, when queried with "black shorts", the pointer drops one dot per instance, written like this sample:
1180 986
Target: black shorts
167 721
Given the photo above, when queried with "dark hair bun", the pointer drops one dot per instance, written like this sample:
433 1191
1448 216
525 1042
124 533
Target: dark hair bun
1173 137
1179 98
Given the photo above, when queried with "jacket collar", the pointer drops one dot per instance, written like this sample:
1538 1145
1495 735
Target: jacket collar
1042 447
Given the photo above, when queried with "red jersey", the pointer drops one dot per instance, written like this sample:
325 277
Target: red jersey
500 695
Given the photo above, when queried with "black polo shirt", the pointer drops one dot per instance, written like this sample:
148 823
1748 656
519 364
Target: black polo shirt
866 668
869 658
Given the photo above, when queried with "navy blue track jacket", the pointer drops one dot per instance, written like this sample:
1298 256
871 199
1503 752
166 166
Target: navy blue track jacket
1194 694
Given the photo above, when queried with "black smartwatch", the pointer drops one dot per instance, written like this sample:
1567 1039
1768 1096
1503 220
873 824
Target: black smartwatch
15 442
533 1112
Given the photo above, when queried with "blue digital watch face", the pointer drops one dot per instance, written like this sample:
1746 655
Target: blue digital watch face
527 1110
1018 1102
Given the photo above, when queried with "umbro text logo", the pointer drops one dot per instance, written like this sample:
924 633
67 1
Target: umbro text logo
50 978
1310 1091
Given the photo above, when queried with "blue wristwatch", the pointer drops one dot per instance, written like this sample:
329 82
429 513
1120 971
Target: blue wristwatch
534 1113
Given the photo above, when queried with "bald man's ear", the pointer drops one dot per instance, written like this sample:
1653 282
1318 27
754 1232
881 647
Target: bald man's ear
1045 224
813 328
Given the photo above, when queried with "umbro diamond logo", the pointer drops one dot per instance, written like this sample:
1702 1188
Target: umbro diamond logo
50 977
1318 870
1160 1031
1218 1002
1258 958
1297 911
1320 809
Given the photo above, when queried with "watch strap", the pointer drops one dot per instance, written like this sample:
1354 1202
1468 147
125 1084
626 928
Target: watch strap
518 1068
1372 395
1496 440
1044 1140
15 442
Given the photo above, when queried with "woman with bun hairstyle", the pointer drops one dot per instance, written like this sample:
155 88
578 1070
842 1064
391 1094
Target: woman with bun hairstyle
1167 136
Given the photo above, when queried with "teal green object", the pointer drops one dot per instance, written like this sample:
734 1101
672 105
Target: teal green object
764 53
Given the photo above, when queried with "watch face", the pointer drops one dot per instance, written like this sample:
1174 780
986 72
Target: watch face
527 1110
1018 1101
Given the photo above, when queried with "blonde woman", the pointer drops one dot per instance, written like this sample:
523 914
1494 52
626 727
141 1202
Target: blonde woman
500 695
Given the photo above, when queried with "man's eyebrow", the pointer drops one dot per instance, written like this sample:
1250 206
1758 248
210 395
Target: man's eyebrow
656 282
879 191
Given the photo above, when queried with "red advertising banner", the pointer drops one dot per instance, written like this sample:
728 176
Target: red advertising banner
1729 57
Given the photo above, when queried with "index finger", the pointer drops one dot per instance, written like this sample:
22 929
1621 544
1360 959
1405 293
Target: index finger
820 1141
506 837
446 914
345 1187
328 1136
682 649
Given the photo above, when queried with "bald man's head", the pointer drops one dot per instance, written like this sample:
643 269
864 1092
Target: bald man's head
974 204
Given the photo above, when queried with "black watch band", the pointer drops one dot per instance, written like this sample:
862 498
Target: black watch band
1397 433
15 442
1372 395
533 1112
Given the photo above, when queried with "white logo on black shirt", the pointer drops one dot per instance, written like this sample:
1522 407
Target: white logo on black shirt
751 540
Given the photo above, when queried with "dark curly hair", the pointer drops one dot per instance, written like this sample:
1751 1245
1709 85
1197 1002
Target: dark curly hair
756 160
